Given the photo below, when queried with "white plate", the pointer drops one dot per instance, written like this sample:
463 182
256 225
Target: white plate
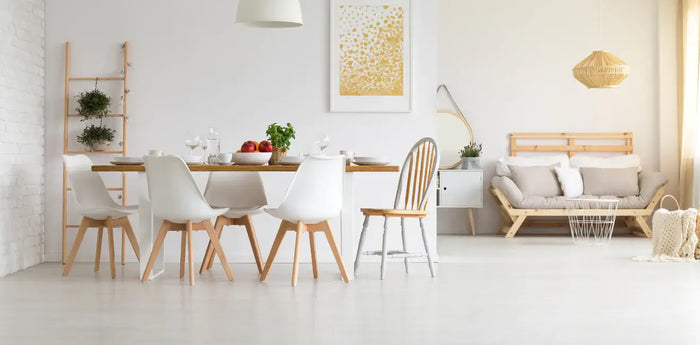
369 160
251 158
371 163
126 163
128 160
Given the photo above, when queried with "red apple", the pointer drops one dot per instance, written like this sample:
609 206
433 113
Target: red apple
248 146
265 146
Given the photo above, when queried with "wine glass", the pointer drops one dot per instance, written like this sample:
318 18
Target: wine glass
193 144
322 142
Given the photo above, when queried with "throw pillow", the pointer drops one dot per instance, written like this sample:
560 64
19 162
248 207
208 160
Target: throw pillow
502 166
610 181
536 180
570 181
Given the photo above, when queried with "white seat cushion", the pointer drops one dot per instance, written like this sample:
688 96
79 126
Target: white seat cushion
103 212
241 212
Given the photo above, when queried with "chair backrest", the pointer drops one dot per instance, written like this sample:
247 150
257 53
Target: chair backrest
317 188
239 190
173 191
417 173
87 186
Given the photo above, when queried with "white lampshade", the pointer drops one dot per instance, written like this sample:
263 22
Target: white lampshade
270 13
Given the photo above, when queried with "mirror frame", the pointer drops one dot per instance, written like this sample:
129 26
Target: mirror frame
469 129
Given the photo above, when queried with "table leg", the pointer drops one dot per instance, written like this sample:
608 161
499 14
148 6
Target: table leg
147 231
347 225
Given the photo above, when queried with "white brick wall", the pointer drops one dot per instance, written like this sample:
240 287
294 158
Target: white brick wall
21 134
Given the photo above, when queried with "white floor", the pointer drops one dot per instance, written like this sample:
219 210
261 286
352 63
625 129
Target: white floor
528 290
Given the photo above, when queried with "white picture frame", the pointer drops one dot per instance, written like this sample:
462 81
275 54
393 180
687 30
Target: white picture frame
378 87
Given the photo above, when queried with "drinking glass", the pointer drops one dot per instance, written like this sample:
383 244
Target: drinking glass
322 142
193 144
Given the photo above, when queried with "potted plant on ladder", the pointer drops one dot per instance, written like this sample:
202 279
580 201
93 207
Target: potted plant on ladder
94 104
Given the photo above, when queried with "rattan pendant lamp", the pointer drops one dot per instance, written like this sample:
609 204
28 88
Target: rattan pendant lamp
270 13
601 69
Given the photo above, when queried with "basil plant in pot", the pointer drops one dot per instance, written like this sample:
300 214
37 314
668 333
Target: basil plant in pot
470 156
281 139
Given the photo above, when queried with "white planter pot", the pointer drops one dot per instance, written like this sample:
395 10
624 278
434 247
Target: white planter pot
471 163
99 147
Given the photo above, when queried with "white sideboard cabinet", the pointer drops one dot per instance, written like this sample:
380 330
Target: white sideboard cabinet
461 189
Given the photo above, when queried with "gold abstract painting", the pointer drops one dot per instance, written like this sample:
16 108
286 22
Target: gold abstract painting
371 50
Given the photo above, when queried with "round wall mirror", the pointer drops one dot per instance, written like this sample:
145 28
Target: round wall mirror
453 134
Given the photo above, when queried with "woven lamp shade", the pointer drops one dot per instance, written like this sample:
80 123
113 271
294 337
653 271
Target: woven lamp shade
601 70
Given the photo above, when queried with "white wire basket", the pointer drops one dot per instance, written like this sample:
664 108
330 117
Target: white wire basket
591 220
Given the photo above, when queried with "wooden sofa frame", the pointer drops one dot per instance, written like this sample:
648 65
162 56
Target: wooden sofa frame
514 218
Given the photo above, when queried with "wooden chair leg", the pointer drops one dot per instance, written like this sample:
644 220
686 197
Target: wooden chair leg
219 228
76 246
98 249
183 249
336 252
110 236
301 227
516 226
403 242
253 239
208 260
384 250
312 246
427 247
189 251
213 238
365 224
156 248
126 225
273 251
123 246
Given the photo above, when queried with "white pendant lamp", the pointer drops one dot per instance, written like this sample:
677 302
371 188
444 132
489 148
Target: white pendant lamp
601 69
270 13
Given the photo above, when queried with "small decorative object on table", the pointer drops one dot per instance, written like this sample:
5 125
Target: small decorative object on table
470 156
591 220
281 139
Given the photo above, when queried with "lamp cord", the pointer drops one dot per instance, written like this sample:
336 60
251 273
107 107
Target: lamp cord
601 23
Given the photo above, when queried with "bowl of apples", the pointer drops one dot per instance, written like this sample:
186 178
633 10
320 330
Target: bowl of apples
252 153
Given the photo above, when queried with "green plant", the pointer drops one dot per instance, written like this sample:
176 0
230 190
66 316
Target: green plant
281 136
471 150
96 134
93 103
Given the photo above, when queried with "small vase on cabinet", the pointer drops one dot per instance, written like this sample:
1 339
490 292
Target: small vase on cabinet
471 163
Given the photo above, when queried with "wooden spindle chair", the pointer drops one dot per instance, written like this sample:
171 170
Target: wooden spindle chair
417 173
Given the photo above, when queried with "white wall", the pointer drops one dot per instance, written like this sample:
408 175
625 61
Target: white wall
508 64
194 68
21 134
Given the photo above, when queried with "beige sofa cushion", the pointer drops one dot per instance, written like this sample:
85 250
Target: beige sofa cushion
536 180
649 184
610 181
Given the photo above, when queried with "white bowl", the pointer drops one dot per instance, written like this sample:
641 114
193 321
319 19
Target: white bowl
192 159
135 160
369 159
251 158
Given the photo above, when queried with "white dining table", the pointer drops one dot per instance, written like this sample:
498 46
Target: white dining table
148 224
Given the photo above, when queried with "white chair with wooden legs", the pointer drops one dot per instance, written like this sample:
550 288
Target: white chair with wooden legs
418 171
176 199
314 197
98 210
243 193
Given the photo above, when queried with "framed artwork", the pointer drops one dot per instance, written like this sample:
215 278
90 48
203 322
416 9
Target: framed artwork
370 56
